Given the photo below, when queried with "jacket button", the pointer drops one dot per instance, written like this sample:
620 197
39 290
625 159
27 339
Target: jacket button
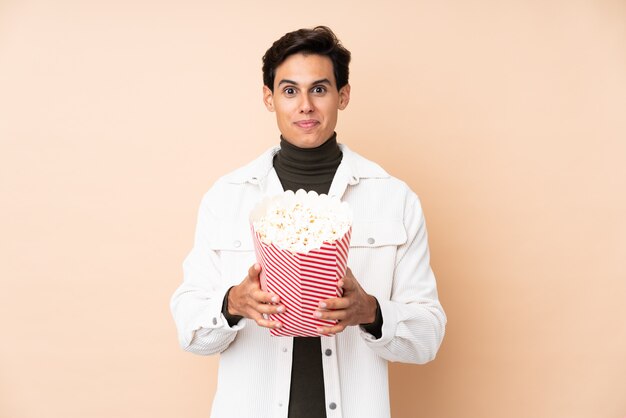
328 352
284 349
332 405
371 240
237 244
214 321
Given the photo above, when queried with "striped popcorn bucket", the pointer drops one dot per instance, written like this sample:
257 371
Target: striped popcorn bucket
302 280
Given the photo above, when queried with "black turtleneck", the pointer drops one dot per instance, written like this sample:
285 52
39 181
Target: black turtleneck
308 169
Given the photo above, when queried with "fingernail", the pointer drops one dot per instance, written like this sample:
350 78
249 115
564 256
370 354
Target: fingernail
280 309
279 325
274 299
317 314
322 305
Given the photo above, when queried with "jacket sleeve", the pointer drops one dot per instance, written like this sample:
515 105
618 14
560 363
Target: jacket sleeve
413 319
197 303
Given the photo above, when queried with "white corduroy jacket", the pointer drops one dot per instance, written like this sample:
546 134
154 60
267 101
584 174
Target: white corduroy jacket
389 256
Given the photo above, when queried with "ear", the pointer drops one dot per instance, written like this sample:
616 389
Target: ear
268 98
344 96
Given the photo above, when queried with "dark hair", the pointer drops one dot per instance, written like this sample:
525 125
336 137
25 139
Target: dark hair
320 40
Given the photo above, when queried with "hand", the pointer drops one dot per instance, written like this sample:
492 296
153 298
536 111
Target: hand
355 307
247 299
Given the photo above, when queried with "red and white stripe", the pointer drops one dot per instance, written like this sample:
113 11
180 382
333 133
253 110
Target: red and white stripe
302 281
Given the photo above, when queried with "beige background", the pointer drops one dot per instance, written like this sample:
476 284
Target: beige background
506 117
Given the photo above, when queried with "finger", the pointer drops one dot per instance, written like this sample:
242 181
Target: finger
347 283
254 270
330 331
266 323
335 303
263 321
338 315
261 296
265 308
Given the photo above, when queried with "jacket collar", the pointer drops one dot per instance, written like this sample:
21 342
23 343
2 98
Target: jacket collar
352 169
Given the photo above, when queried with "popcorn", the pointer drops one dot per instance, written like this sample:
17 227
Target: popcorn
301 221
301 241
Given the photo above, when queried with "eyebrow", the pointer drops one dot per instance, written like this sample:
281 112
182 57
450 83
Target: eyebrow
322 81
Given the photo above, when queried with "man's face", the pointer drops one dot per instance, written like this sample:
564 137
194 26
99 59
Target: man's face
306 100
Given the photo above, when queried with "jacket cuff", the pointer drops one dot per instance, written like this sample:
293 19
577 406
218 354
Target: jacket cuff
210 317
388 328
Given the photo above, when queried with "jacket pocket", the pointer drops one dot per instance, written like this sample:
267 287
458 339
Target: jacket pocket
374 234
231 236
232 242
372 256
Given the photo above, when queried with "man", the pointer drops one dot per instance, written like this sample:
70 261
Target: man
389 310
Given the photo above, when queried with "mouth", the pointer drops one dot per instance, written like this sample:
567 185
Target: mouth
306 124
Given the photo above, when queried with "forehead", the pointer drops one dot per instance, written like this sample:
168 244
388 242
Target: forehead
305 69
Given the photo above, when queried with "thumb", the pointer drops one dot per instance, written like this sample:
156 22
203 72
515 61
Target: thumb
254 271
348 282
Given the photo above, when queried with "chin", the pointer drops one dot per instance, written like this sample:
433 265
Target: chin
306 142
313 141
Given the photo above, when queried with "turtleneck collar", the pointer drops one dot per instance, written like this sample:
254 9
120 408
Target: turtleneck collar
308 168
329 149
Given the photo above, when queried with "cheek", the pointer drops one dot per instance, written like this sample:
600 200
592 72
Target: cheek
284 112
330 115
285 118
329 110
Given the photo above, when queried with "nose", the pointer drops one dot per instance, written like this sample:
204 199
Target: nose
307 105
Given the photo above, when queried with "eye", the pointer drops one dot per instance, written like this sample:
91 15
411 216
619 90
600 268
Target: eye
289 91
319 89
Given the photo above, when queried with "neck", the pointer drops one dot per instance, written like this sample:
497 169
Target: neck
308 168
329 147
